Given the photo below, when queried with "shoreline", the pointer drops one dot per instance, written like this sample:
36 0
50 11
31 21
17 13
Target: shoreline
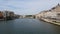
50 21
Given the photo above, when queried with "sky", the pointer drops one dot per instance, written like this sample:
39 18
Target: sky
27 7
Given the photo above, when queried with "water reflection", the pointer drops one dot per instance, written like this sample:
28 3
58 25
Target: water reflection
27 26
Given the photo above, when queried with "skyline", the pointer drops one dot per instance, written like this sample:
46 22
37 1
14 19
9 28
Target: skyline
24 7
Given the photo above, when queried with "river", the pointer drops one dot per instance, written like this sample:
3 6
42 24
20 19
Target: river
28 26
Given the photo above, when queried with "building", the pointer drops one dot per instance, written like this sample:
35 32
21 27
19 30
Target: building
41 14
8 14
52 13
1 15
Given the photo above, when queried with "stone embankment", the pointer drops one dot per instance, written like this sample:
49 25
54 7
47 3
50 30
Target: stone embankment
50 21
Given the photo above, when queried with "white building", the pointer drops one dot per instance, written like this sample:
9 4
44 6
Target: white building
52 13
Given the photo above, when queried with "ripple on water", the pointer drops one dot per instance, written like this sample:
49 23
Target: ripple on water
27 26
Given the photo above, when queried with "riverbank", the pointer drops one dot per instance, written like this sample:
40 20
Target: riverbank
50 21
1 19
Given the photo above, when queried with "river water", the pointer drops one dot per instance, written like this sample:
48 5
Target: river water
28 26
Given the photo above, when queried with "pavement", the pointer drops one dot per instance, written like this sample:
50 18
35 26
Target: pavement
50 21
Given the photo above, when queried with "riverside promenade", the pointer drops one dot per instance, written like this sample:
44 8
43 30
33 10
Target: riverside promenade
50 21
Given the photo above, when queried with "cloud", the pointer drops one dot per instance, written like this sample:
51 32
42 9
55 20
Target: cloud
27 6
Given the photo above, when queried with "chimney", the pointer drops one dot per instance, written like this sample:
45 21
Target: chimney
58 4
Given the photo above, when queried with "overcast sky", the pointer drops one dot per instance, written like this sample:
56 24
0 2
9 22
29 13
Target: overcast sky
24 7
